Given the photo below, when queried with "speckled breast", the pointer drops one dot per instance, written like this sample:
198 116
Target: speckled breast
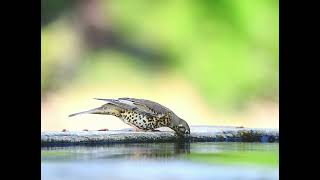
143 121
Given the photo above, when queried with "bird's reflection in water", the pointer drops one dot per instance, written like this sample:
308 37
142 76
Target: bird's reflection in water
125 151
182 147
154 150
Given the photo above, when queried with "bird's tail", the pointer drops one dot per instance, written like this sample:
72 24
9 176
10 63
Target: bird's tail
92 111
106 109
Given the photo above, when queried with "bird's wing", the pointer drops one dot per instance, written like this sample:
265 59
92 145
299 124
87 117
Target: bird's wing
130 105
148 105
117 103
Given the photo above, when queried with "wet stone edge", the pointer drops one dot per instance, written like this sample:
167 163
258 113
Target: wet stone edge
112 137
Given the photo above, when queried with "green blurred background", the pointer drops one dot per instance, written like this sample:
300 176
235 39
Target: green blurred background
213 62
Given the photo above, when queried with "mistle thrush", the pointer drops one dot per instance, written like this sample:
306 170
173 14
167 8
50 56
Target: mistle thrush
144 115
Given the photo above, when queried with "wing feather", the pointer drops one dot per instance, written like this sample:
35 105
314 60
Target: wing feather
154 107
130 104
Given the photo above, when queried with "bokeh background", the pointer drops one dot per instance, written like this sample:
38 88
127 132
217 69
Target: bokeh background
213 62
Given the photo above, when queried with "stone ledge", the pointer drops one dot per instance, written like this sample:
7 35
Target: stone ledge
198 134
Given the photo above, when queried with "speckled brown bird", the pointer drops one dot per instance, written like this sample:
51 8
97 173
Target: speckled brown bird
142 114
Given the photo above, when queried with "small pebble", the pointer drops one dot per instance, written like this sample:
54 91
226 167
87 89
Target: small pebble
103 130
85 130
64 130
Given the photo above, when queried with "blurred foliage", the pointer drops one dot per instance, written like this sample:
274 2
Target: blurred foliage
227 48
50 10
269 158
55 153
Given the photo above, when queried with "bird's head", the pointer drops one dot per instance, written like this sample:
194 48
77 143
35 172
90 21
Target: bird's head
180 126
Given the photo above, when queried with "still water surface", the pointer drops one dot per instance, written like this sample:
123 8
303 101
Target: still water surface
162 161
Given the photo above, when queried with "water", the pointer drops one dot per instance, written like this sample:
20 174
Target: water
162 161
